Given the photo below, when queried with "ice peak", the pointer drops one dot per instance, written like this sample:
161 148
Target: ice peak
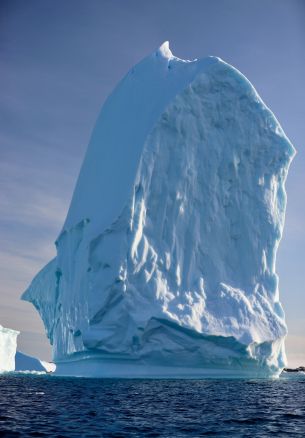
165 51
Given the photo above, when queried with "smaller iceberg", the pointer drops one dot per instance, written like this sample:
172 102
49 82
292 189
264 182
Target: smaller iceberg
13 360
8 346
23 362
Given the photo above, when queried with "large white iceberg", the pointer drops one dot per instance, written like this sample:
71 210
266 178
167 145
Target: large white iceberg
8 346
166 262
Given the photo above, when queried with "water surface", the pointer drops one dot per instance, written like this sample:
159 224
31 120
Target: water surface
74 407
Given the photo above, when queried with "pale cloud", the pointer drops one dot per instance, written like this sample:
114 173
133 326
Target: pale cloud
32 206
295 350
31 217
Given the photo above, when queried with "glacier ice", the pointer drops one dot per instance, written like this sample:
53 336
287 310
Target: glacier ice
23 362
13 360
166 262
8 346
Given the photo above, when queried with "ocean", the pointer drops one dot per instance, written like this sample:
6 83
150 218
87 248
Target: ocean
49 406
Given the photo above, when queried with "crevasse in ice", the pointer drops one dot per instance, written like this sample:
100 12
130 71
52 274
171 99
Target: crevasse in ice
166 262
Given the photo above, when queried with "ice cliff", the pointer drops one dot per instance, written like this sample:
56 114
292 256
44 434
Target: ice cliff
8 346
13 360
166 262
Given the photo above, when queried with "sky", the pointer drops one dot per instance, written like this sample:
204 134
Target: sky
59 60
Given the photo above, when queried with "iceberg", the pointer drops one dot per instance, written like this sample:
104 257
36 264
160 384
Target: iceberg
8 346
24 362
166 263
12 360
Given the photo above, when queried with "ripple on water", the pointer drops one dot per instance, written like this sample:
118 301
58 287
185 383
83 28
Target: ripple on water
67 407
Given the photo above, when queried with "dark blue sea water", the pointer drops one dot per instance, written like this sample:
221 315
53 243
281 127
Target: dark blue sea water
69 407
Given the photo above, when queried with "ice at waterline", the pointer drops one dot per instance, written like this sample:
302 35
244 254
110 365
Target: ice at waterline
12 360
165 265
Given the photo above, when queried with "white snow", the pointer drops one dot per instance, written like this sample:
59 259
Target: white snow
165 51
8 345
49 367
166 262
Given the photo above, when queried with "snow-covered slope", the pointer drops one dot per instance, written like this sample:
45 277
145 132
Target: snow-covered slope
8 346
166 262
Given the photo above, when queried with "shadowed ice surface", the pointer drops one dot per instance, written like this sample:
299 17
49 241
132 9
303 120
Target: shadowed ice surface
69 407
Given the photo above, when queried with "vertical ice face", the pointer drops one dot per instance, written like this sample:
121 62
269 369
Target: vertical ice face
167 256
8 346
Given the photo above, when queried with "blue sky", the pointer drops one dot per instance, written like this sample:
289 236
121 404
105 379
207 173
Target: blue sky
59 60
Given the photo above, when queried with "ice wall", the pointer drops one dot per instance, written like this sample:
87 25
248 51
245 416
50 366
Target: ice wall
8 346
166 262
23 362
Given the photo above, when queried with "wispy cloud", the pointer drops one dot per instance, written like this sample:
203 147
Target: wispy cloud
31 216
295 349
